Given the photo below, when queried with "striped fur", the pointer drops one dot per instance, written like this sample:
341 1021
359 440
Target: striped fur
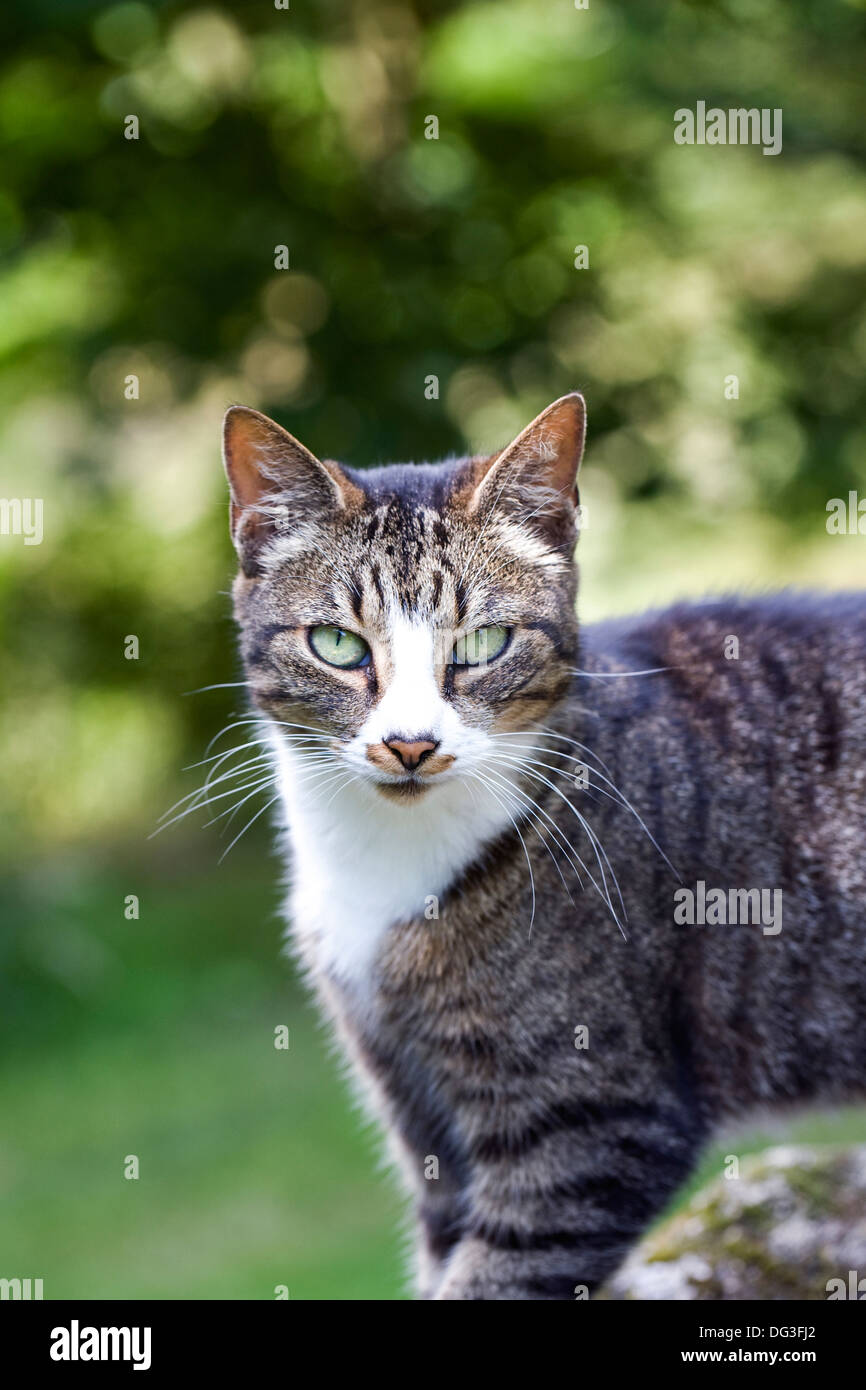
535 1163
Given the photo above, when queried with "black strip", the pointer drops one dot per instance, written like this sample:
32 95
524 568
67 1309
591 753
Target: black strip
568 1116
511 1238
257 654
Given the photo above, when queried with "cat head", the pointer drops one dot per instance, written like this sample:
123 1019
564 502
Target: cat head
406 616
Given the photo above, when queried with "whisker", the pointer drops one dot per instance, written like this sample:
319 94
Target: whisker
233 791
265 722
204 790
220 685
248 824
539 829
353 777
523 843
202 796
616 675
619 794
543 731
561 841
309 775
231 811
257 742
597 847
594 840
551 733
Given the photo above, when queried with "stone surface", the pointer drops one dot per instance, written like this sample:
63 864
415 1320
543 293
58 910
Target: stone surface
791 1226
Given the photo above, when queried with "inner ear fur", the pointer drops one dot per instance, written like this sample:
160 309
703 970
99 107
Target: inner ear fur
535 476
275 483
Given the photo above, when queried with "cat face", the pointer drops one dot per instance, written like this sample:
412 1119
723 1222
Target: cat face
399 619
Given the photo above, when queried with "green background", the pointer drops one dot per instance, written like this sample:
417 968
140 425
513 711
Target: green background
409 258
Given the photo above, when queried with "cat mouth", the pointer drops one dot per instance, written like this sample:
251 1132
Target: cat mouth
405 789
412 780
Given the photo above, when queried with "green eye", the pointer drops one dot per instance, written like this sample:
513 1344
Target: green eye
338 647
479 647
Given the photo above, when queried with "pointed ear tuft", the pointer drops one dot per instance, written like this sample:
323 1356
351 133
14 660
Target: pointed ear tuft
535 477
275 483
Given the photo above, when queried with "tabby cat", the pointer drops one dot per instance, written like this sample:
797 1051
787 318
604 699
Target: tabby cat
571 896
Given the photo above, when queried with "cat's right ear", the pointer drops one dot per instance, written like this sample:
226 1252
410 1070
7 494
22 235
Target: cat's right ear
275 483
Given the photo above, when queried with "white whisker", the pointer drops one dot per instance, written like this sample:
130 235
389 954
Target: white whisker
540 831
231 811
522 841
220 685
597 847
614 675
248 824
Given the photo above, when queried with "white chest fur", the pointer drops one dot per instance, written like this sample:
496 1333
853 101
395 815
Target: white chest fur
361 864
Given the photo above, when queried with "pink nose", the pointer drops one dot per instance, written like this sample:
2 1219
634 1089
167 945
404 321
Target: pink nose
411 752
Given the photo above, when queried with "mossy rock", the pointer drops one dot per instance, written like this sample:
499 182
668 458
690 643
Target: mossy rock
792 1222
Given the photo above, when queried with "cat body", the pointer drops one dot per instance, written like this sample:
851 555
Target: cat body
509 949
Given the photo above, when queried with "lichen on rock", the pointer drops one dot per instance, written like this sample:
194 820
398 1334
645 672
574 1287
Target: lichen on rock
792 1225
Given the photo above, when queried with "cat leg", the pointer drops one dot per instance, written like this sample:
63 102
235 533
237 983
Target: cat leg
438 1210
557 1221
440 1226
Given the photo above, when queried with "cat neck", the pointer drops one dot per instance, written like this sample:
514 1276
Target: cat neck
361 864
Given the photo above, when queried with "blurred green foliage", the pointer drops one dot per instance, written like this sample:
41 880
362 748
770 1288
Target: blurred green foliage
409 257
156 1038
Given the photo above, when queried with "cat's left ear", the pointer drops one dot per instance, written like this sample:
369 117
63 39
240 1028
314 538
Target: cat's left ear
276 484
535 477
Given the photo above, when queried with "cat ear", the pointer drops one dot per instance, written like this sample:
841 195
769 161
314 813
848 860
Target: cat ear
275 483
535 477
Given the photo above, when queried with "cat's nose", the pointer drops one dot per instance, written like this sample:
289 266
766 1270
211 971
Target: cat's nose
411 752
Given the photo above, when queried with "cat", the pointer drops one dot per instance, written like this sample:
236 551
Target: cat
494 817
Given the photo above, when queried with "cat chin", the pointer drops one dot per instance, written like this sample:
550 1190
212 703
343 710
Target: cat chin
406 792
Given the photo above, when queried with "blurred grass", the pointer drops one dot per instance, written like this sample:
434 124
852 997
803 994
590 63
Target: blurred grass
156 1038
